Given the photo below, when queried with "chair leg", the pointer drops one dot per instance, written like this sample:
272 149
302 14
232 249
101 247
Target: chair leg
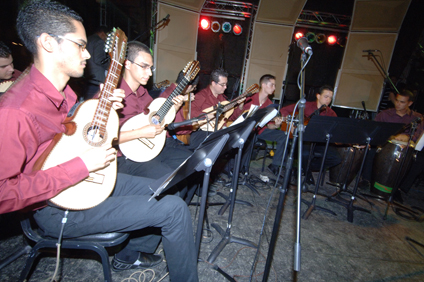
263 161
33 254
105 260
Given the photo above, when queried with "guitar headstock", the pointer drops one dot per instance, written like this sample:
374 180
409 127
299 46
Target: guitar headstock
252 89
191 70
116 45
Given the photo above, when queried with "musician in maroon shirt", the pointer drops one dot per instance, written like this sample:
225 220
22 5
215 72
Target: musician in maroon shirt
7 71
35 109
138 69
206 98
318 107
401 113
271 132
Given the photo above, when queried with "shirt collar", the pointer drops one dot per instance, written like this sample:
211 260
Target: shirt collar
128 91
44 86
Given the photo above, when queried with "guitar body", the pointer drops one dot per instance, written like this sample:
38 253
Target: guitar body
146 149
99 185
210 126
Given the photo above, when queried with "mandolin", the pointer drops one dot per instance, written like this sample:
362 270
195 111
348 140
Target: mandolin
161 111
93 124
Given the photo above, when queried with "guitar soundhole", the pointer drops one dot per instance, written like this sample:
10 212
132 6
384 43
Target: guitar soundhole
93 136
154 118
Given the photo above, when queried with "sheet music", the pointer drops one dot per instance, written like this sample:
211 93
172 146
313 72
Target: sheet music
241 118
268 117
420 143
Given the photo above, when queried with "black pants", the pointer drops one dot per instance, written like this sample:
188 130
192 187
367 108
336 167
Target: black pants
129 209
332 158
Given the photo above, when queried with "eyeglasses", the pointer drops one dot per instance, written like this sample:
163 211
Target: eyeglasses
82 46
222 84
144 67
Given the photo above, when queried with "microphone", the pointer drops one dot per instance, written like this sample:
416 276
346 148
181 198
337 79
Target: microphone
370 51
363 105
175 125
166 18
302 43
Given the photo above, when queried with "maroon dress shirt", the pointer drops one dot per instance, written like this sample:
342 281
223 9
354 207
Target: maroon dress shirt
310 108
390 115
31 114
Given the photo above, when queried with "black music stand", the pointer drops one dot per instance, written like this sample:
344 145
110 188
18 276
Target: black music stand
350 131
257 117
202 159
236 141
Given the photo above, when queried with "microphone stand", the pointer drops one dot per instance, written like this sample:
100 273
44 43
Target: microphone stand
165 19
386 75
299 130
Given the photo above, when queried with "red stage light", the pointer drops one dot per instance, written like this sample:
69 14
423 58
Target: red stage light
298 35
237 30
205 24
331 40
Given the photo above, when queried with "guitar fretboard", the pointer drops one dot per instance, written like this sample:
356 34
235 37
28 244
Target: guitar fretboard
168 103
102 112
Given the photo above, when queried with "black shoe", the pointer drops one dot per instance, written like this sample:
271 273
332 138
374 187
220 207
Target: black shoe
274 169
397 197
144 261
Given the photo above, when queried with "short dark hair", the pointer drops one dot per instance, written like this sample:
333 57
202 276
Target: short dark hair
215 74
325 87
407 93
44 16
265 78
134 47
4 50
103 28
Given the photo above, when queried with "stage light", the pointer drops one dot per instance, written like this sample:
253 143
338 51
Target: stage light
205 24
216 26
298 35
341 41
310 36
320 38
237 29
331 40
226 27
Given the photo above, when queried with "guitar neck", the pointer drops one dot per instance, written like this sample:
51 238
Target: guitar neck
101 115
168 103
232 103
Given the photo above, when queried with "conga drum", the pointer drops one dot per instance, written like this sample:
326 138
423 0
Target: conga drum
387 162
346 171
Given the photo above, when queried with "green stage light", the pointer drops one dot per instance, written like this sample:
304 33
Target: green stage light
310 36
226 27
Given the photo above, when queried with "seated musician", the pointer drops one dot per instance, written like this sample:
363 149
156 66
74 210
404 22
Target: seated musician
401 113
7 71
206 98
137 71
269 133
35 109
318 107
